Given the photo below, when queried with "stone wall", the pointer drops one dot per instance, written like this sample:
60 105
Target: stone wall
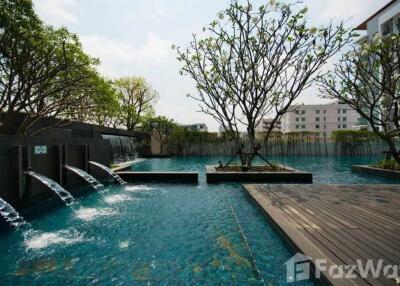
287 148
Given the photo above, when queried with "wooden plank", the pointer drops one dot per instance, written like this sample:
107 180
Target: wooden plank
340 223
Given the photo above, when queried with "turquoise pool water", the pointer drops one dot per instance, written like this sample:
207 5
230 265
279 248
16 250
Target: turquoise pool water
158 234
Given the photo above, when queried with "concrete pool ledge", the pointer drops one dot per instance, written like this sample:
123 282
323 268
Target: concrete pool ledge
370 170
292 176
160 177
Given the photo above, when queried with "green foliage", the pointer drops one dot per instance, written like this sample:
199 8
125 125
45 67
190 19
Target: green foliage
136 100
160 124
367 79
388 164
161 127
353 136
44 71
183 135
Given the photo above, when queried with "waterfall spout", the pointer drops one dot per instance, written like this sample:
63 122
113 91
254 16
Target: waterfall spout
110 172
64 195
10 214
88 178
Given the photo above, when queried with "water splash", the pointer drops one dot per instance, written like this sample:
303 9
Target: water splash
10 214
88 178
115 176
89 214
40 240
64 195
138 188
113 199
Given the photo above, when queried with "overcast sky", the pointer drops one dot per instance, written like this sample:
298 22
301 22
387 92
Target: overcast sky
134 37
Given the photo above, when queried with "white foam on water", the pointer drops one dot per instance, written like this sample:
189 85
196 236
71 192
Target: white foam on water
123 244
46 239
138 188
92 213
117 199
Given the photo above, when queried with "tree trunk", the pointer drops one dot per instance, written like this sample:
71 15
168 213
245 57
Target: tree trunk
252 141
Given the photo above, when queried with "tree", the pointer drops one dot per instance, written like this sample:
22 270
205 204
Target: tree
136 98
161 127
368 79
103 97
43 71
253 62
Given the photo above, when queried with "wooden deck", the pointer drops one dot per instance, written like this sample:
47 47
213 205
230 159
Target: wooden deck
342 224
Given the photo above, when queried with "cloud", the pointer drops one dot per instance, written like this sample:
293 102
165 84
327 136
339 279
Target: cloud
122 58
353 11
57 12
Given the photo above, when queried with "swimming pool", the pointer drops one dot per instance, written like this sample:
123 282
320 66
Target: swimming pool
158 234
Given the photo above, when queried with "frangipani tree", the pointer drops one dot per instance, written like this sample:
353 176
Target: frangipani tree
368 79
254 62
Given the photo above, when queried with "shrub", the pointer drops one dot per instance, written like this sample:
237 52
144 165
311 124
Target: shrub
388 164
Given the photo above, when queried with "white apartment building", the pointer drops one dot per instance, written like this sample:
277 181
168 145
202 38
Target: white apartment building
265 124
201 127
385 21
322 118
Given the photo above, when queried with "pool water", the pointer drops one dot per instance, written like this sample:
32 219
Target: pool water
159 234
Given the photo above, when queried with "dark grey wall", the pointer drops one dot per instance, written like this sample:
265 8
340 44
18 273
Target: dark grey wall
14 187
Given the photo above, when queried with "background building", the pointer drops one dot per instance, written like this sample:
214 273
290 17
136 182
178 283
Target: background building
265 124
385 21
200 127
322 118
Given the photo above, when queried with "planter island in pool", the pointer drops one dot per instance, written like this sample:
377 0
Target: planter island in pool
370 170
290 175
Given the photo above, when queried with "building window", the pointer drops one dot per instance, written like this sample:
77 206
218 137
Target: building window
344 119
303 119
317 126
324 118
344 126
344 110
303 112
338 119
297 126
317 111
387 27
324 126
338 111
338 126
324 111
297 119
303 127
317 119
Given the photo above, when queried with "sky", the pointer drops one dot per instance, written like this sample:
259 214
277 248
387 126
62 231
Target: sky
134 38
